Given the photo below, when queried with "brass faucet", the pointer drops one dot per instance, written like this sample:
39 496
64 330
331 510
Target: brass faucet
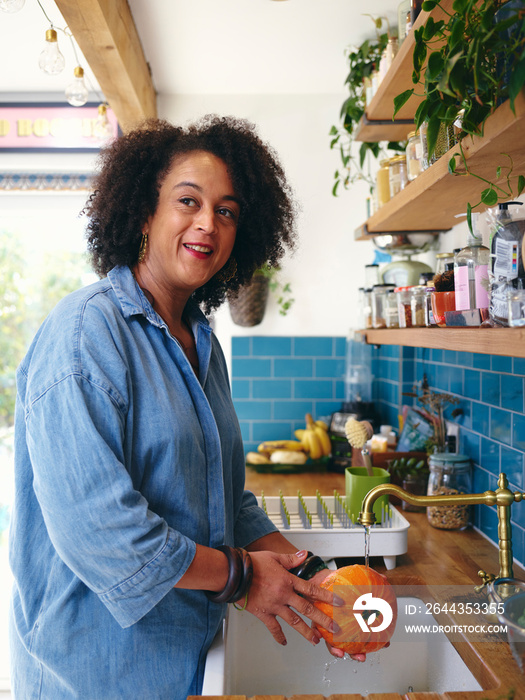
502 497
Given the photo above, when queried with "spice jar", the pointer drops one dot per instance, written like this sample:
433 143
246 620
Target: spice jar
367 308
442 259
391 312
413 155
379 292
404 308
449 474
383 183
397 173
417 305
429 314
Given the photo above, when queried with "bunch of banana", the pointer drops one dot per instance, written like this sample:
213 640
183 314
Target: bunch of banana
315 438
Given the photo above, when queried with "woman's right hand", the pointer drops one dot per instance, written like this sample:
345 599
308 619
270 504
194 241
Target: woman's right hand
275 592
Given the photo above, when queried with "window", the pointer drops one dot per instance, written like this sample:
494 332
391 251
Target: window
42 258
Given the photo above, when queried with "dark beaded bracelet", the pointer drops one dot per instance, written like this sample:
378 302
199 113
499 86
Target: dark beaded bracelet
240 572
309 567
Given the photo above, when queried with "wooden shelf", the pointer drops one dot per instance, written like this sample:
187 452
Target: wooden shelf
377 123
487 341
432 200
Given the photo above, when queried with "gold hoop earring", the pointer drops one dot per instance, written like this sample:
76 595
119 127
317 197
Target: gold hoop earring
143 248
228 272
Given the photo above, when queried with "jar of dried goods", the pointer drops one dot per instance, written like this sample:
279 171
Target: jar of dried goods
449 474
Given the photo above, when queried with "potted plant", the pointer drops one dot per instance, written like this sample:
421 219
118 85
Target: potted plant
412 475
248 305
362 62
467 65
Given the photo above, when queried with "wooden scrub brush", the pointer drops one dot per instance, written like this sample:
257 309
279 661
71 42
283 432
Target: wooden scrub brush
358 433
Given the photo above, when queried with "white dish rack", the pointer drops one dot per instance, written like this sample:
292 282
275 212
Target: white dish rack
321 525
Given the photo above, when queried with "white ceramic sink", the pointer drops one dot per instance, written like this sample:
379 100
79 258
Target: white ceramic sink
245 660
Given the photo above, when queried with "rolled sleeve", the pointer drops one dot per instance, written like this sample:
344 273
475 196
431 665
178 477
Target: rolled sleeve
252 522
137 595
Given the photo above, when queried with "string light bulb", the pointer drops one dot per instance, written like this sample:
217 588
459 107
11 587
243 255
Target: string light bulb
77 92
51 60
102 129
11 6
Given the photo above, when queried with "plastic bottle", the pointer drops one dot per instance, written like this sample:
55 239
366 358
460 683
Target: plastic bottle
507 270
471 273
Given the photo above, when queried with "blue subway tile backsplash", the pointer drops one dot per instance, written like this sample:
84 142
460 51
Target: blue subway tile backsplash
276 380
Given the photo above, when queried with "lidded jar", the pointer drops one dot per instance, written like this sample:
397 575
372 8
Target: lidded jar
397 170
413 155
417 305
404 308
391 312
379 292
449 474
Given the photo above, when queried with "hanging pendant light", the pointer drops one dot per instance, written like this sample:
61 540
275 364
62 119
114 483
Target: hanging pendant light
51 60
11 6
102 129
76 91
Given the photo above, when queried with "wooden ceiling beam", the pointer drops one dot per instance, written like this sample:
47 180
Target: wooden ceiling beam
107 36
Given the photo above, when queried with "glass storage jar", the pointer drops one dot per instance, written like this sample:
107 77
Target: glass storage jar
379 292
413 155
445 140
442 259
417 305
429 314
383 183
367 308
449 474
391 312
404 308
397 172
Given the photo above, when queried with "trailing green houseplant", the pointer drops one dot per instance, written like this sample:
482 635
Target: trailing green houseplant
467 65
362 61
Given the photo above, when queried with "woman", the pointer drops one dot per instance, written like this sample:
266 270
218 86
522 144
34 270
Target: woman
129 507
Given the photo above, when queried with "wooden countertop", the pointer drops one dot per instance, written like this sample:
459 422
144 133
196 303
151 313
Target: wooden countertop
434 557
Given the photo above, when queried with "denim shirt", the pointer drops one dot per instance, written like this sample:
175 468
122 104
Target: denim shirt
124 460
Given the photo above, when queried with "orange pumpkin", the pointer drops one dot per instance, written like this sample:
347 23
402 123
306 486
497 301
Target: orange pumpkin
367 597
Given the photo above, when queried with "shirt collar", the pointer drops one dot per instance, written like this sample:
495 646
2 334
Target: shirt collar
133 300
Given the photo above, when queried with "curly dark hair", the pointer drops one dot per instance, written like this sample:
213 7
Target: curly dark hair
133 167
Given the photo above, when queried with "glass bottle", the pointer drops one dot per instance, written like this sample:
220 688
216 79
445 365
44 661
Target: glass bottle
507 273
413 155
471 266
449 474
415 9
383 183
403 20
387 57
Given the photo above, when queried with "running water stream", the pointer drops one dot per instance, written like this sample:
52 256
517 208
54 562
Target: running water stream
367 543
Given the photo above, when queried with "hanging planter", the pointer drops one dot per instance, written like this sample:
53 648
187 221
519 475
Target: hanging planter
247 308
